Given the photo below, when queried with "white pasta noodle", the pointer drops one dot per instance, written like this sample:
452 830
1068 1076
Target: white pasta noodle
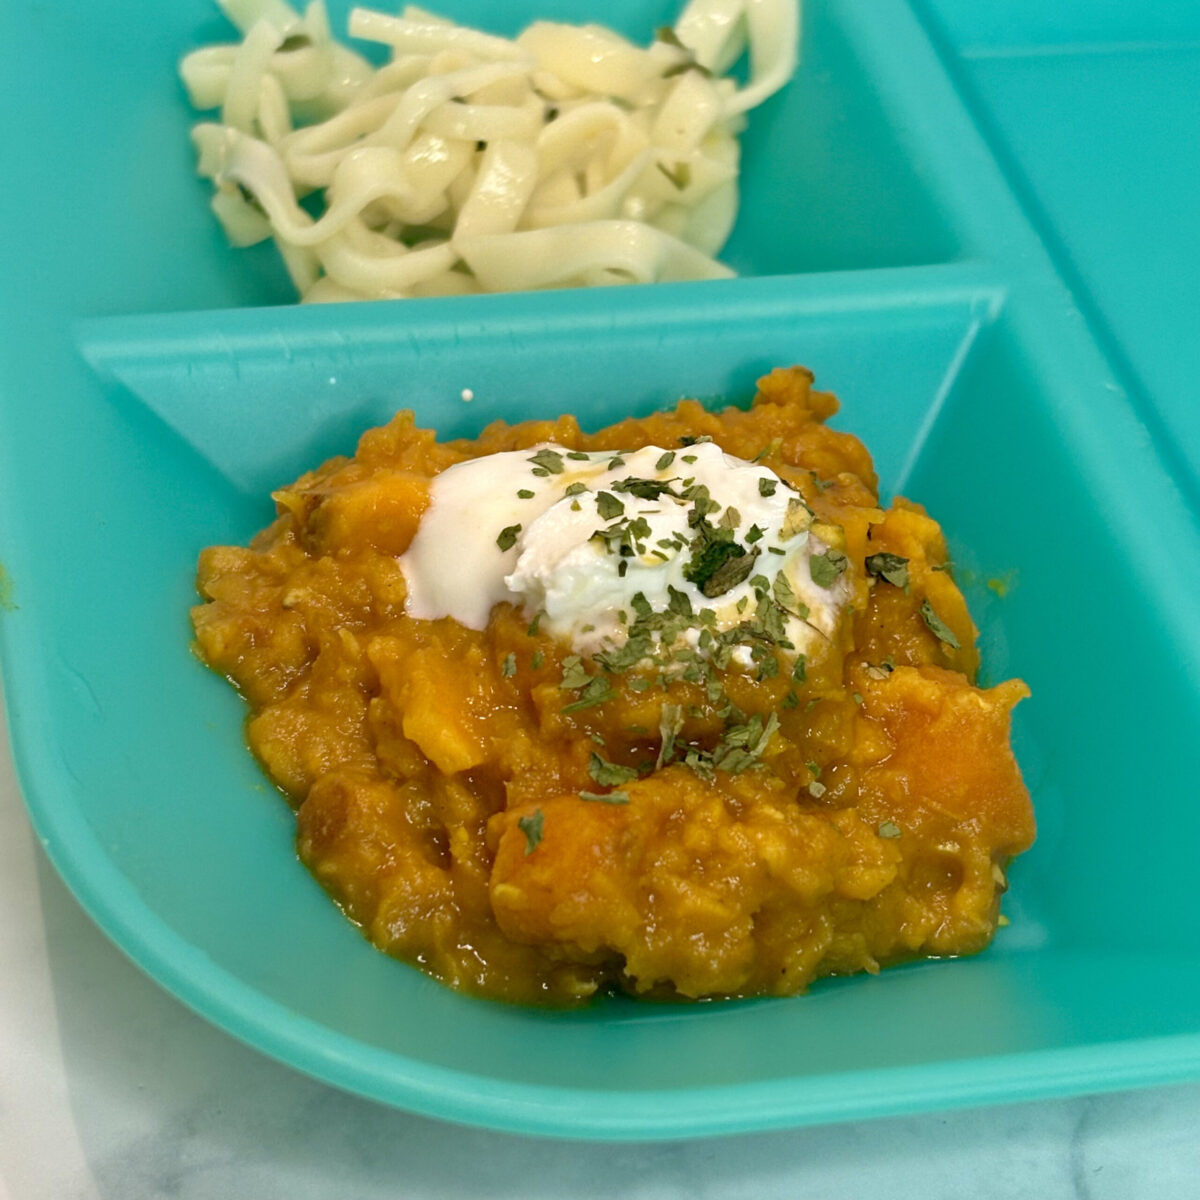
409 35
468 162
602 251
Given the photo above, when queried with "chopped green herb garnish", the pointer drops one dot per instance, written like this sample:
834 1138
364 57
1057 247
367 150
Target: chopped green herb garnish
605 797
734 759
506 539
524 494
769 624
536 661
799 671
889 829
616 660
508 668
740 748
720 567
597 691
608 774
785 596
816 789
700 763
766 487
608 506
679 602
575 489
759 747
574 674
578 456
768 668
548 460
890 567
531 827
665 460
825 568
670 724
938 627
644 489
533 625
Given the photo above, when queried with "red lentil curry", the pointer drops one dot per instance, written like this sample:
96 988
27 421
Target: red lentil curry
445 780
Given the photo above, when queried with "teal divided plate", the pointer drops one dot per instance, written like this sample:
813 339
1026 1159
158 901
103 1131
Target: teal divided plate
154 386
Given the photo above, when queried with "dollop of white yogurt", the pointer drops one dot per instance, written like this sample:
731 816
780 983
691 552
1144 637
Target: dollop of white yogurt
590 539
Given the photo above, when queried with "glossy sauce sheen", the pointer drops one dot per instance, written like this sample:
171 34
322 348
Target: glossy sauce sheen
530 819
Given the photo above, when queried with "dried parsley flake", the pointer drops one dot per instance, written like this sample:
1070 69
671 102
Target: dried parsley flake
937 626
889 567
531 827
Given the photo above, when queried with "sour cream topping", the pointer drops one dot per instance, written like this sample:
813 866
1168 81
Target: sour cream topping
592 540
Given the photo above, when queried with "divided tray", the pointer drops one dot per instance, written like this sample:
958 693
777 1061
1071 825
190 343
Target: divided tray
155 386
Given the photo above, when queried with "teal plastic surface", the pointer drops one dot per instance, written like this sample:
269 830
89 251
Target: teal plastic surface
154 386
1091 108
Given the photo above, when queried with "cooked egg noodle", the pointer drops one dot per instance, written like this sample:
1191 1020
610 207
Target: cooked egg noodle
565 156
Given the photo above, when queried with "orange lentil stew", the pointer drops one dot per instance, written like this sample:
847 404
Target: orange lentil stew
725 831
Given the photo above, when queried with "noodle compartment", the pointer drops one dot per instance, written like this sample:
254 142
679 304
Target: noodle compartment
565 157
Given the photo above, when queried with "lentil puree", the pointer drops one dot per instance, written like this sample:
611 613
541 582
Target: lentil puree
712 830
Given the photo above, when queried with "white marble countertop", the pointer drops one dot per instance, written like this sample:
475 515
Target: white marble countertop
111 1090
